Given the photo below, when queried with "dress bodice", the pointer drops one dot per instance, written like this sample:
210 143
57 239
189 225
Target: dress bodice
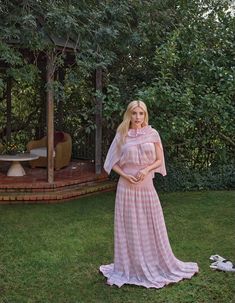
139 154
138 150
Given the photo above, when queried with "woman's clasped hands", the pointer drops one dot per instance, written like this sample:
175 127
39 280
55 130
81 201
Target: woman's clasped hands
139 176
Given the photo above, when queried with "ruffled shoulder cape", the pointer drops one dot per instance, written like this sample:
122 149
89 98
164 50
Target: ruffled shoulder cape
145 134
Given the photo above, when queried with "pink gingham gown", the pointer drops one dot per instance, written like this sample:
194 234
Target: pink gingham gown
142 252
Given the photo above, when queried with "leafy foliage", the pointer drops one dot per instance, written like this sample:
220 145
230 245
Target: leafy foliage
191 98
178 56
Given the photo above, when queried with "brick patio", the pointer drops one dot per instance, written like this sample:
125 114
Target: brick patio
78 179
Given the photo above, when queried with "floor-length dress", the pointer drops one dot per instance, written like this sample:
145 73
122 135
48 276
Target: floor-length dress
142 252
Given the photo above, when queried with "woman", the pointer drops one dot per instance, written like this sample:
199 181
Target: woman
142 252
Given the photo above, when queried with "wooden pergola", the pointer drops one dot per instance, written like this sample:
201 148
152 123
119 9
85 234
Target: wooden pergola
47 59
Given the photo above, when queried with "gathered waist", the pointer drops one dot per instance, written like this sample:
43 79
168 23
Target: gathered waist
146 183
132 165
133 169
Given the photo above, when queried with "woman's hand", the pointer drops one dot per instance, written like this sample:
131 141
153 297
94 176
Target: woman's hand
131 179
142 174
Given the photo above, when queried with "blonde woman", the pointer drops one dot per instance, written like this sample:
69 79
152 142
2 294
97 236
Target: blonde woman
142 252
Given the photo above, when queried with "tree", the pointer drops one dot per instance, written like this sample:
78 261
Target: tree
193 91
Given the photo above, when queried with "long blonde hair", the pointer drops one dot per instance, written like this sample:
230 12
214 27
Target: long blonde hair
125 125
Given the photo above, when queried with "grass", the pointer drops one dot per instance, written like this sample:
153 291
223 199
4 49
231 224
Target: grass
51 253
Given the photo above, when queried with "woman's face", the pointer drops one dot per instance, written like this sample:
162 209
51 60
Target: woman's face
137 117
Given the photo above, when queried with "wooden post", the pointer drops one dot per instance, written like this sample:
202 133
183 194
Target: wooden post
98 121
50 118
40 130
8 98
60 101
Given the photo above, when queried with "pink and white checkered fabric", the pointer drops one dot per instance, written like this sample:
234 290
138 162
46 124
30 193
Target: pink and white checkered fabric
143 255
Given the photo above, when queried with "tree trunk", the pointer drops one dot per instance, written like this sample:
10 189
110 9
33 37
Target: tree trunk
50 118
98 121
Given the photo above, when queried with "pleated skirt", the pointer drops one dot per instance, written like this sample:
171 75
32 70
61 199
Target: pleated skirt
142 252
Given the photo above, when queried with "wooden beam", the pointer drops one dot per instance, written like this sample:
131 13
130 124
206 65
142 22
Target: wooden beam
50 118
98 121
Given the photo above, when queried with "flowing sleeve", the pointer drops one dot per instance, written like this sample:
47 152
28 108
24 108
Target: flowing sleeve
156 139
113 155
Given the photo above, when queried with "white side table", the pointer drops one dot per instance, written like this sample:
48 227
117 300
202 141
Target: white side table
16 169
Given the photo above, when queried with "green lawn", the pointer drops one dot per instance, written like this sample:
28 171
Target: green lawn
51 253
